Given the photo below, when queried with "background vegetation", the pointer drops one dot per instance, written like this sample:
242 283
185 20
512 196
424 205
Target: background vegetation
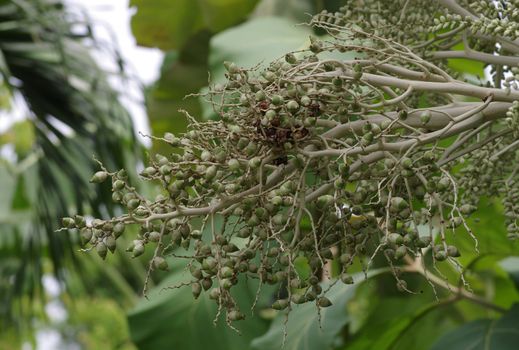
73 114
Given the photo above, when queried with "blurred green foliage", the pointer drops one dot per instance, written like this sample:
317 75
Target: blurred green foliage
71 114
99 324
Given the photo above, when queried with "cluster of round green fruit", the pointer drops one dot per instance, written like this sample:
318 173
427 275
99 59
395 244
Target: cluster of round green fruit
289 179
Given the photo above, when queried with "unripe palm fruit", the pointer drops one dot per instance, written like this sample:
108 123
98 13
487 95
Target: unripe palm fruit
296 283
214 294
196 289
409 239
138 249
209 263
220 155
253 221
400 252
305 101
110 243
226 272
407 163
337 82
423 242
395 238
118 229
118 185
290 58
149 171
313 280
453 251
86 235
292 106
277 100
255 162
242 142
251 148
79 221
210 172
244 232
226 283
101 250
206 156
165 169
324 302
326 253
346 279
133 203
68 222
298 298
99 177
160 263
440 255
397 204
234 164
253 268
196 272
260 95
117 197
154 236
273 252
235 315
280 304
325 201
207 283
357 75
231 67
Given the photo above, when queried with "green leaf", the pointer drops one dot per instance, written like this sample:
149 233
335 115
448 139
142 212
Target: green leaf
486 334
260 40
298 10
172 319
487 277
511 266
183 73
169 24
386 318
7 188
304 329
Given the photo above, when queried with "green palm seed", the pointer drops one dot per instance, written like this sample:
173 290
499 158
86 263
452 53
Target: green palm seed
292 106
280 304
346 279
235 315
101 250
68 222
324 302
196 289
277 100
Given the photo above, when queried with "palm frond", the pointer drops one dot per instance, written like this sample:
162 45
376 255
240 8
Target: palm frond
76 114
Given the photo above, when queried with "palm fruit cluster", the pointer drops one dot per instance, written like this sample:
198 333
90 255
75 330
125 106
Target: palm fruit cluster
429 26
308 163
